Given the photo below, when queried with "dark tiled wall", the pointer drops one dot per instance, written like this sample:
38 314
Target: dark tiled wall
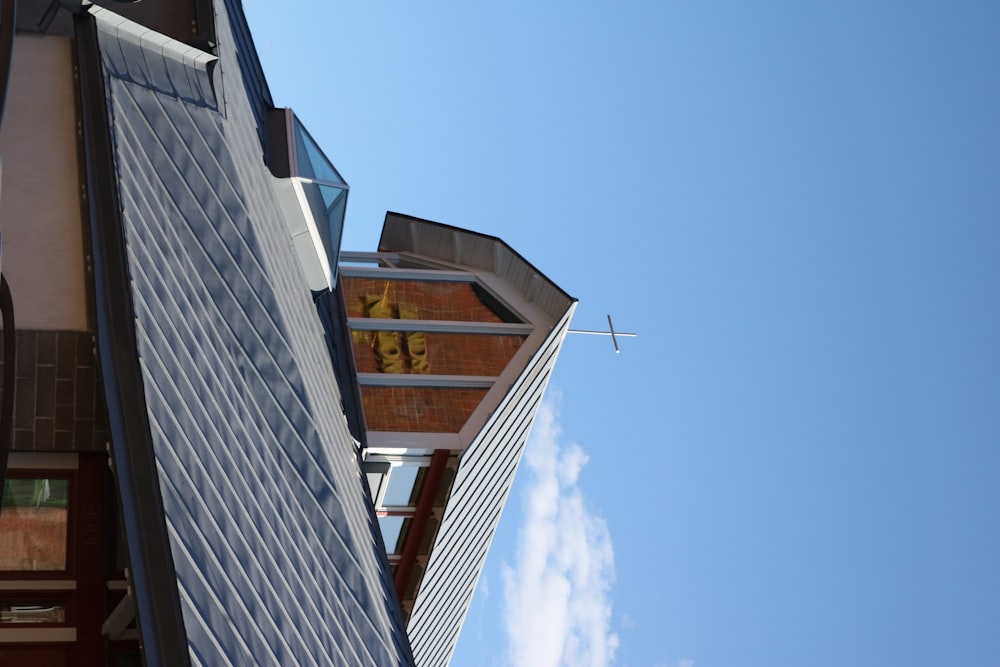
59 397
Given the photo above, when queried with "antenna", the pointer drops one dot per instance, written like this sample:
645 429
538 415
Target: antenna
610 332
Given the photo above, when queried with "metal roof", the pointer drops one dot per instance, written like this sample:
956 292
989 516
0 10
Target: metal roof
273 543
466 250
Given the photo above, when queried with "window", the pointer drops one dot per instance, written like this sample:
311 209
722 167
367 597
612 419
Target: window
313 196
55 558
394 532
403 488
33 524
398 492
32 611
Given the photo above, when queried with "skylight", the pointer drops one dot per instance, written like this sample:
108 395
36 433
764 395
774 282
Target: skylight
316 221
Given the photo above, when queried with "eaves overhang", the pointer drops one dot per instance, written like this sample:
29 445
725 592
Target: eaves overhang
447 246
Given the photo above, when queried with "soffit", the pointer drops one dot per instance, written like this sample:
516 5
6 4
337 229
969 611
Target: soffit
452 247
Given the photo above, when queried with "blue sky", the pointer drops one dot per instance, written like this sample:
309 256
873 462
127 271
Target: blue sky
797 206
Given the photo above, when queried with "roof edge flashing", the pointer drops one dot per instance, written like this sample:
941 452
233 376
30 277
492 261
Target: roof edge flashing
306 239
455 247
173 67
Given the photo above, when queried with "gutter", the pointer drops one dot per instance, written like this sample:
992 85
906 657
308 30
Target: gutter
152 572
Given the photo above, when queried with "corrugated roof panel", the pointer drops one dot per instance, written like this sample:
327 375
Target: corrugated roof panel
273 543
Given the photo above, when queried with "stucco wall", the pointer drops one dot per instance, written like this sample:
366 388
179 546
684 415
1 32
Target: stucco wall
43 256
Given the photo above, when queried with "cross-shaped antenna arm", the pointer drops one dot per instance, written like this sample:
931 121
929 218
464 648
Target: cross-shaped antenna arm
610 332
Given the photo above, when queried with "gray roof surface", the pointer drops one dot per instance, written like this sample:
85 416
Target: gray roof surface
273 540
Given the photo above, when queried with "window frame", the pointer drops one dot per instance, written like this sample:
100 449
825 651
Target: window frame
72 502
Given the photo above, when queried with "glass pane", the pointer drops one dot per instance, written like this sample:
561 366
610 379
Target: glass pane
33 524
403 489
328 205
315 196
391 527
310 160
32 612
422 300
335 200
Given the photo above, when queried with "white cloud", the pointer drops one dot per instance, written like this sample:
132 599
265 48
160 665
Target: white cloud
557 607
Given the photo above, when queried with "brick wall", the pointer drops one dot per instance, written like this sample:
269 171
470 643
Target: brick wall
447 354
419 409
434 300
426 409
33 538
59 397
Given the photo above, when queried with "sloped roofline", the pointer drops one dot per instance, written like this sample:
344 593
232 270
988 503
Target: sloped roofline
405 233
162 627
497 440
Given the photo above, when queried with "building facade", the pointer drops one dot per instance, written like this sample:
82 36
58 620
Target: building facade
453 337
221 448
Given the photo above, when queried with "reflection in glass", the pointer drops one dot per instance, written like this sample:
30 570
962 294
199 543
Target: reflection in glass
33 524
328 205
310 160
33 612
394 530
403 489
